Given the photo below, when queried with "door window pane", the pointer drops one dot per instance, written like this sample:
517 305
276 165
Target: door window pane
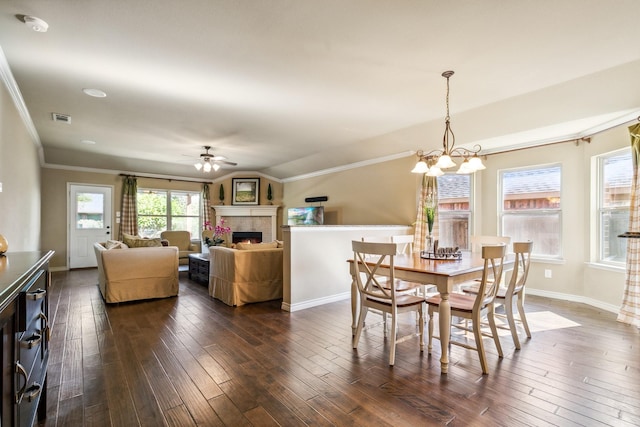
89 210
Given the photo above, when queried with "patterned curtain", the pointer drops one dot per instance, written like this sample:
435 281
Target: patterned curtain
206 203
129 218
630 310
428 198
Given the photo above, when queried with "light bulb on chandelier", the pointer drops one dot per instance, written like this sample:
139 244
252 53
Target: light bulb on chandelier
434 161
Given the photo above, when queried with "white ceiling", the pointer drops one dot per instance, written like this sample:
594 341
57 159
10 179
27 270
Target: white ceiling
287 88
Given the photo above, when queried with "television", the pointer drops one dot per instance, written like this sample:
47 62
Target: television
311 215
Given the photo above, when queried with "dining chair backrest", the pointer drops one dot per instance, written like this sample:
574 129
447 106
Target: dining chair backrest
493 256
370 256
477 242
521 264
404 242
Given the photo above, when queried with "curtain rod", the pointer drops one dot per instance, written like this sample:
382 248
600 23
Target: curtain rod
577 140
166 179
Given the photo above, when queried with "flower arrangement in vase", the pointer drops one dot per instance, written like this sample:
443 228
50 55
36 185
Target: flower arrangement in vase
219 231
430 214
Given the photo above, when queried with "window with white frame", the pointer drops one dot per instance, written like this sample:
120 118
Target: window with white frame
530 208
454 210
160 210
615 175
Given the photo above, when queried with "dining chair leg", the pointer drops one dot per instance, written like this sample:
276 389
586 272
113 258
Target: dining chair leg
430 328
356 337
494 330
523 317
512 326
394 332
421 326
477 333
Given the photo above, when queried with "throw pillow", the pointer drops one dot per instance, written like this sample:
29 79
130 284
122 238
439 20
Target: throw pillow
113 244
128 239
139 242
148 243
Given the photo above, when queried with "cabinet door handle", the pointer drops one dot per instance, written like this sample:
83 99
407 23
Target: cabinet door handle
32 392
45 328
37 294
32 341
22 372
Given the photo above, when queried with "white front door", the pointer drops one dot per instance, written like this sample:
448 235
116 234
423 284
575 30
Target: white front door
89 222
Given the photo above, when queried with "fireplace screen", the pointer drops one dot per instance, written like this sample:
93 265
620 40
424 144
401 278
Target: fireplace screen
246 236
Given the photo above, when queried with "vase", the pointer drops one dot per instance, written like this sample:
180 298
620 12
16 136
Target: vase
428 243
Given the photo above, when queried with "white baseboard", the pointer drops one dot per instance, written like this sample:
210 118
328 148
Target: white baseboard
575 298
315 302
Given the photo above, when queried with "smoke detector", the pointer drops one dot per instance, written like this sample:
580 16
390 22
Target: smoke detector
62 118
36 24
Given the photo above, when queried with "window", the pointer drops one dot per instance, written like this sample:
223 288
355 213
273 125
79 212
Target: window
454 210
160 210
615 175
530 208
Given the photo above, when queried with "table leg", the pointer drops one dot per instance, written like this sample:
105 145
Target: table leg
445 330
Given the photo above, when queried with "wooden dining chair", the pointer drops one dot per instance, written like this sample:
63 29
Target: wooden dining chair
475 307
378 295
514 291
404 242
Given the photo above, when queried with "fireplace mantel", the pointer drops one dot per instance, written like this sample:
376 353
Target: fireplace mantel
271 211
251 210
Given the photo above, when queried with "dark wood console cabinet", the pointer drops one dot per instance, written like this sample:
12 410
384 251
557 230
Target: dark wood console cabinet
24 324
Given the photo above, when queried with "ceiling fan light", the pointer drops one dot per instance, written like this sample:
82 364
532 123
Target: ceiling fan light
198 165
420 167
207 167
216 167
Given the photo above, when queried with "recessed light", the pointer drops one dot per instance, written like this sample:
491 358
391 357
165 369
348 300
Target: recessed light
96 93
88 142
36 24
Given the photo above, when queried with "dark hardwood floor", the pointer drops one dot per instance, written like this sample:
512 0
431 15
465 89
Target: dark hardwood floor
192 360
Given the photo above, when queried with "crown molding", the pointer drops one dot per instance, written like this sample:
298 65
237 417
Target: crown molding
14 91
350 166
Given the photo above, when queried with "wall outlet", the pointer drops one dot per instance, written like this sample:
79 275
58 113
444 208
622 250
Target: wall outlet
547 274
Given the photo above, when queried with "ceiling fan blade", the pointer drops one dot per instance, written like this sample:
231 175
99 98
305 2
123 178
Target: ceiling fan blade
226 162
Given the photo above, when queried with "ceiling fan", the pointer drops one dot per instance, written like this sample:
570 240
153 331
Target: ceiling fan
210 161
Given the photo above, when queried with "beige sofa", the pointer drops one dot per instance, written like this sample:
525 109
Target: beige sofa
182 239
128 274
239 276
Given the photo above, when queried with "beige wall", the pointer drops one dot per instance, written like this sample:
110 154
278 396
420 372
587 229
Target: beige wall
379 194
20 178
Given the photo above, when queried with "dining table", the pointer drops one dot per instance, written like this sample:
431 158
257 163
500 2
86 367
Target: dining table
445 274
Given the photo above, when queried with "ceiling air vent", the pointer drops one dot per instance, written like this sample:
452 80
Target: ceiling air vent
62 118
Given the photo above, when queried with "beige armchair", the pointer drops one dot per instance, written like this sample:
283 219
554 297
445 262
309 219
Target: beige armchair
181 239
136 273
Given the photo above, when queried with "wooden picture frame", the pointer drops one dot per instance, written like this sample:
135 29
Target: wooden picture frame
246 191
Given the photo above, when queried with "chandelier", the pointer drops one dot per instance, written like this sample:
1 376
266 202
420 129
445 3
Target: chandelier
434 161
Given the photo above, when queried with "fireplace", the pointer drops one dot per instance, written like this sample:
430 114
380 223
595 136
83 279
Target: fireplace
246 236
261 218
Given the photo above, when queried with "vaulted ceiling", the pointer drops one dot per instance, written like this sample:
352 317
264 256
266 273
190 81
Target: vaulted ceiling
288 88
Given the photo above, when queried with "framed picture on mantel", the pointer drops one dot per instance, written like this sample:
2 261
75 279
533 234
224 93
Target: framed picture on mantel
246 191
